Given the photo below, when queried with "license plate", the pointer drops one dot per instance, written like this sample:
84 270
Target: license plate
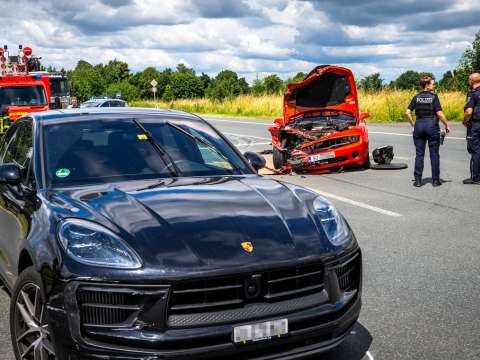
320 157
260 331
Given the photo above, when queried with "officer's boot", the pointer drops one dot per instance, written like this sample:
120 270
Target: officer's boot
417 182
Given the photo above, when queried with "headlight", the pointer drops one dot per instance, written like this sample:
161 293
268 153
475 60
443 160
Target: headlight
332 222
92 244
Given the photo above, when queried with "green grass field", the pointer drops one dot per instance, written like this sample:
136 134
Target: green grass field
383 106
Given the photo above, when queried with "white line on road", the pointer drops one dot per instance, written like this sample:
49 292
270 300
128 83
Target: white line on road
247 136
357 203
370 356
241 122
409 135
254 143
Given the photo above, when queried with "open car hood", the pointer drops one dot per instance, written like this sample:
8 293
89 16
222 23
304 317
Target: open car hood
326 87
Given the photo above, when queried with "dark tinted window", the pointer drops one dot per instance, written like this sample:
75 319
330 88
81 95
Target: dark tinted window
22 95
20 148
330 89
114 103
108 150
105 104
59 86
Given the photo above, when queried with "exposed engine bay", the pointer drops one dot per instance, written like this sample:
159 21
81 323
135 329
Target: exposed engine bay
305 129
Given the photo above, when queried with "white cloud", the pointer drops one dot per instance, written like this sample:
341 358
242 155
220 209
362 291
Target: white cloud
254 37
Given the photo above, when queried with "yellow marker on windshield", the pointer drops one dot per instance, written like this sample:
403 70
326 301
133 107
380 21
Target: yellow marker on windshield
142 137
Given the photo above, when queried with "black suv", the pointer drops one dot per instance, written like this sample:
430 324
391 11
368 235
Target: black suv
144 234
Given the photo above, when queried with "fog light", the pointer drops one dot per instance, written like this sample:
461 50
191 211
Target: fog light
355 154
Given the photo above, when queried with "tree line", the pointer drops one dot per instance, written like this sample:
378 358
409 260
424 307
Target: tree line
183 82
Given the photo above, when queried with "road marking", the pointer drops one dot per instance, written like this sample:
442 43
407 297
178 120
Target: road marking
370 356
410 135
401 157
253 144
241 122
357 203
247 136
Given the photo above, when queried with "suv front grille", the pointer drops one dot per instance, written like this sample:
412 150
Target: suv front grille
229 292
349 273
116 306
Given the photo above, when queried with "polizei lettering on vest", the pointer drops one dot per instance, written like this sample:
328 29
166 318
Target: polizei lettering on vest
425 100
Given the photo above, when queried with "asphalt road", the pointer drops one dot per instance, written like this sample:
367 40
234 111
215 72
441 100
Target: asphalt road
421 249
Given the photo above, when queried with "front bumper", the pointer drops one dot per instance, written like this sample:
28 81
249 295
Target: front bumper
321 333
354 155
316 322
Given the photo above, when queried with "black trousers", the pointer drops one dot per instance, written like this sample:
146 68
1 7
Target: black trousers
473 146
427 131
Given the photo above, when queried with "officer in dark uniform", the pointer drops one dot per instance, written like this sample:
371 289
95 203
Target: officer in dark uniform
471 119
425 129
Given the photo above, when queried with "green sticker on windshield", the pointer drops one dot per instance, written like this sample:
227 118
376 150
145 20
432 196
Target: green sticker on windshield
62 173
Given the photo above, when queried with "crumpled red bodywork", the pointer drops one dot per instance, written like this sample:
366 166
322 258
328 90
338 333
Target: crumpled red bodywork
321 126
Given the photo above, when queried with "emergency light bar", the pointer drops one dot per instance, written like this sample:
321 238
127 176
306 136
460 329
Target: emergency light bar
15 65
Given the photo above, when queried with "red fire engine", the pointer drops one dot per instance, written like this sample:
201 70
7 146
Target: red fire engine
20 92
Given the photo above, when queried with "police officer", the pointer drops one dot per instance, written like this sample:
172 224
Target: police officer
471 119
425 129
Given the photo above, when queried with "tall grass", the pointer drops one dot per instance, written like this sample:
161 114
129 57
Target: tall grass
383 106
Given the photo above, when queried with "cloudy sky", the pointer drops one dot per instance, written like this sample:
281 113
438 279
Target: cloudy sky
250 37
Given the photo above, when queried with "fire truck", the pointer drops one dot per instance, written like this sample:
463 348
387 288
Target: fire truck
20 91
60 90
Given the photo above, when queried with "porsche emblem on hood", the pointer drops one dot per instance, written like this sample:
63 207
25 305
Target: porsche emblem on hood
247 246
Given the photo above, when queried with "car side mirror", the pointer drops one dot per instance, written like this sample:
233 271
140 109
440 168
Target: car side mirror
10 174
257 161
364 115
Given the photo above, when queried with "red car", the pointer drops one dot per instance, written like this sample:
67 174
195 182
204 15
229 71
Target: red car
322 127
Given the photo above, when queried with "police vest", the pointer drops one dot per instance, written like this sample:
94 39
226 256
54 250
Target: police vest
424 105
476 104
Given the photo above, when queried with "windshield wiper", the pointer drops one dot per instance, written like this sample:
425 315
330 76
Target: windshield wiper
204 142
161 151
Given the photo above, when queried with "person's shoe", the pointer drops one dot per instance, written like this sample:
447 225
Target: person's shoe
418 182
470 181
436 183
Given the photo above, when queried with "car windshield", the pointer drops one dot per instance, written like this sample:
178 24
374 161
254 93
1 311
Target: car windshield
96 151
22 95
59 87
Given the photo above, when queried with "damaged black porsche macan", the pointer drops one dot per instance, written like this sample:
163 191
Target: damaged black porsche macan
143 234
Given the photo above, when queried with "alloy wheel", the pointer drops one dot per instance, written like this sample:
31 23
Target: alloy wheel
32 335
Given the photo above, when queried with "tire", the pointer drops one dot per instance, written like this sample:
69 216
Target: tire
279 158
33 340
367 164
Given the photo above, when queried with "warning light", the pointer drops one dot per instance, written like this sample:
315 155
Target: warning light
27 51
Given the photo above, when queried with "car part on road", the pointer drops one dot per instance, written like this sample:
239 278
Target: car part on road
383 157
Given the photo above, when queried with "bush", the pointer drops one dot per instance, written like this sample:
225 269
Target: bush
128 91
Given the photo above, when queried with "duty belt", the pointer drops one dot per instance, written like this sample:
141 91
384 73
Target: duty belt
427 118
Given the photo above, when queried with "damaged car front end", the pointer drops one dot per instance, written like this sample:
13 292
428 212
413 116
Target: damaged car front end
322 128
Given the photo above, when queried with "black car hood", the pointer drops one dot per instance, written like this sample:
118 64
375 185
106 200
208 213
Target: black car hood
196 224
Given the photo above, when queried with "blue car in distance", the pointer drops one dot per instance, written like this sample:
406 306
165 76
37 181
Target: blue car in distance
145 234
